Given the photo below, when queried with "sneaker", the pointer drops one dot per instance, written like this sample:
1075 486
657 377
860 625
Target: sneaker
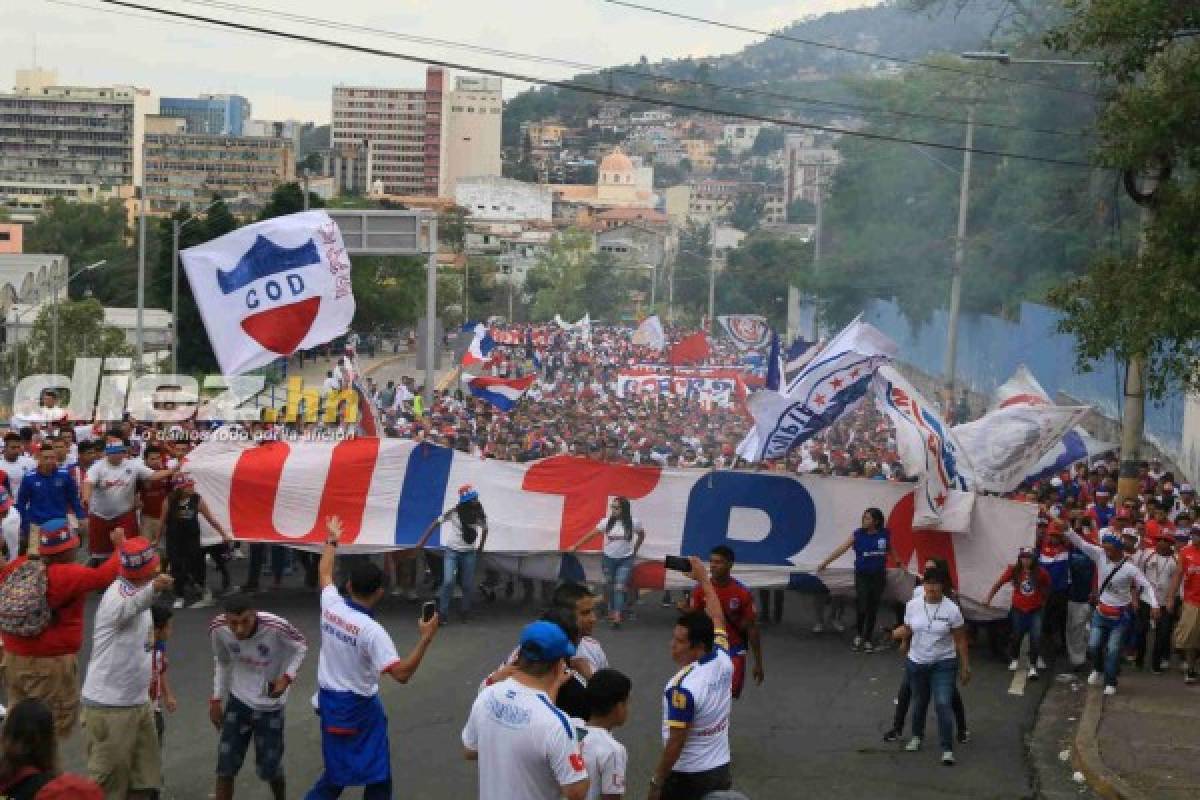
1012 665
818 628
1191 676
868 647
1033 673
964 736
892 735
1109 691
3 712
178 604
1095 679
206 601
914 744
948 758
666 601
838 626
858 642
1041 663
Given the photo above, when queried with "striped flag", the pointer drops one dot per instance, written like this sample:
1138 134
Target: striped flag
480 351
503 393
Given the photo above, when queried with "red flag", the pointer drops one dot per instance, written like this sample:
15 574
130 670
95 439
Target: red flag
689 349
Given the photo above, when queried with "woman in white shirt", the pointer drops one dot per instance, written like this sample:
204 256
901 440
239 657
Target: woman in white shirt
623 537
936 637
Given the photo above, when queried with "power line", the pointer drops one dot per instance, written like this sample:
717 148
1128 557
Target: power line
835 106
841 49
567 85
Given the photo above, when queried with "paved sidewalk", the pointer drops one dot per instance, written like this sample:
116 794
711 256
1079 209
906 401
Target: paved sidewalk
1145 741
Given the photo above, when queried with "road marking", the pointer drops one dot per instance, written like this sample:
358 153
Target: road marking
1018 683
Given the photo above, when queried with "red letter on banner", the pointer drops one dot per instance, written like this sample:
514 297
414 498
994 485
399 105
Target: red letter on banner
587 486
255 487
926 543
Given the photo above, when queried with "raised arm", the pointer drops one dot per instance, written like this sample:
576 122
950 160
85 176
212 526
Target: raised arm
333 531
712 603
404 669
836 554
1092 551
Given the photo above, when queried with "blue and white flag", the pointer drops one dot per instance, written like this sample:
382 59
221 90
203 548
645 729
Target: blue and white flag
774 365
1005 445
748 331
503 393
799 353
835 379
929 451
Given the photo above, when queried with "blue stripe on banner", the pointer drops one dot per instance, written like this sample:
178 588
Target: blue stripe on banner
424 490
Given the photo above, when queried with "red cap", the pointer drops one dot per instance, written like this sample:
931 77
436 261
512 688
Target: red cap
139 559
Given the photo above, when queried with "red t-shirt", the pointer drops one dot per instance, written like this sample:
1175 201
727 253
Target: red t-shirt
154 494
1189 562
67 586
1030 594
737 604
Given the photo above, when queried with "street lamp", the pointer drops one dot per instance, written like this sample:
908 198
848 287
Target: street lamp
54 326
177 226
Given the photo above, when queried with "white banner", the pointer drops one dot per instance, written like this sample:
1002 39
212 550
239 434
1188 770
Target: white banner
271 288
722 391
650 334
781 526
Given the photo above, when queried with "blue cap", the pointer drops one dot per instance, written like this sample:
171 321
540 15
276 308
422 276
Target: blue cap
545 641
1112 540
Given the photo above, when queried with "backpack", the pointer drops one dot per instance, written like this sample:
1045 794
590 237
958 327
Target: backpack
24 609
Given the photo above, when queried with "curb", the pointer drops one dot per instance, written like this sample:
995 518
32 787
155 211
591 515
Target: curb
1085 753
383 362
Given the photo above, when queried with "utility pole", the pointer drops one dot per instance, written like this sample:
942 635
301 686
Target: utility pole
712 278
960 251
671 293
430 311
176 227
141 275
304 174
54 329
816 330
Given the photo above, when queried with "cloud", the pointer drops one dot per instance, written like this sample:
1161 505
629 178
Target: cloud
90 43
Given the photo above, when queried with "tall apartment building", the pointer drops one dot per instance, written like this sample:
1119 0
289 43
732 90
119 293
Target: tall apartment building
223 114
474 112
421 141
82 143
186 170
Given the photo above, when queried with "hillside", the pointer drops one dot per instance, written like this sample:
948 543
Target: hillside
780 65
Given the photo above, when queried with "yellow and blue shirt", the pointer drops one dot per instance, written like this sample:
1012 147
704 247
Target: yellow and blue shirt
699 698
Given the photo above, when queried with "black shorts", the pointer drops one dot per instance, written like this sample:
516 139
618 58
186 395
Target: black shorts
241 724
694 785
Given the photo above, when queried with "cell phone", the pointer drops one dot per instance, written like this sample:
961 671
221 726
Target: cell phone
428 610
677 563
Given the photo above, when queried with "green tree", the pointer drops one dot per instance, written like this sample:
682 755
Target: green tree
569 279
801 211
691 271
768 141
1143 305
81 332
288 198
758 273
747 211
87 233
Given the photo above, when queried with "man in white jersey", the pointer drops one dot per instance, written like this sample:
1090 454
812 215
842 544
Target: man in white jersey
697 703
355 652
110 494
256 656
525 746
15 462
608 708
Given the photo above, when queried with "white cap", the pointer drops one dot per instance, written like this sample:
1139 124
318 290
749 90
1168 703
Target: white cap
1056 482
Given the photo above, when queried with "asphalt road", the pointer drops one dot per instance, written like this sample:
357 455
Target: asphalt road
812 730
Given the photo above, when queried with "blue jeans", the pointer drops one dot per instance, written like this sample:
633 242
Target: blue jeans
616 581
1104 645
936 680
460 564
1022 623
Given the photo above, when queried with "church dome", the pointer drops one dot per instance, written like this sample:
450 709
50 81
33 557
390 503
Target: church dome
616 161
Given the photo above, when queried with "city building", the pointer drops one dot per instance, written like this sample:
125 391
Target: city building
739 137
809 166
81 143
646 217
636 245
543 134
19 320
711 199
620 183
401 130
30 278
504 199
11 238
274 129
216 114
185 170
346 165
473 114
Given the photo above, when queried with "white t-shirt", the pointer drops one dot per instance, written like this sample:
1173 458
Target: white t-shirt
606 761
17 470
114 489
355 649
119 668
617 544
452 534
590 650
242 667
700 698
931 625
527 748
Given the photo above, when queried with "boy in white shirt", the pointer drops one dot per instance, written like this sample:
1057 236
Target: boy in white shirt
608 702
355 652
256 656
525 746
122 742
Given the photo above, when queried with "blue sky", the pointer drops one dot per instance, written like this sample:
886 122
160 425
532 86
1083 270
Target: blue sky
90 45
